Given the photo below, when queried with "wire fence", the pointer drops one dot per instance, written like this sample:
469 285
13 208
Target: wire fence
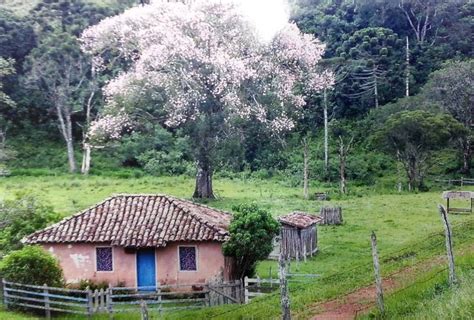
431 245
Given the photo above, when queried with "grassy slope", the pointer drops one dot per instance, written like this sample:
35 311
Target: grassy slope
400 221
430 297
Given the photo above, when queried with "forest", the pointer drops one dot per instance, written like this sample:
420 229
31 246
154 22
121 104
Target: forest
399 111
362 108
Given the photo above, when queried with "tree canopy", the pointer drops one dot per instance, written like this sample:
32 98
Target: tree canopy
205 68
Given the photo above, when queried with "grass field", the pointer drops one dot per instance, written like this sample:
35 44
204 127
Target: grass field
408 227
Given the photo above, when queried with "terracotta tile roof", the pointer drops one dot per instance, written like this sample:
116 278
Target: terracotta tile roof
138 221
299 219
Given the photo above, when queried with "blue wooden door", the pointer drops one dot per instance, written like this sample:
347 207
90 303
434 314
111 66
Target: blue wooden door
146 269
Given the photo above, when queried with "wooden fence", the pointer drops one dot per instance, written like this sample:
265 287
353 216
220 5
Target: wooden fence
47 298
461 182
112 300
331 216
256 287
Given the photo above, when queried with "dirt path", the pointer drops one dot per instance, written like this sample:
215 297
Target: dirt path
347 307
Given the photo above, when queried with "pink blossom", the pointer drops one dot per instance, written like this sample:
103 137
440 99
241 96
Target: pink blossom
206 54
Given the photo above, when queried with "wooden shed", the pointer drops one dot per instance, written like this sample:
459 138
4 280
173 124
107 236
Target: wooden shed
298 235
459 195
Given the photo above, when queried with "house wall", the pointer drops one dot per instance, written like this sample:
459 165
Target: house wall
78 263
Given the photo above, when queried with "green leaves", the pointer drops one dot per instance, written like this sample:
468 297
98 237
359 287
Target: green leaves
251 235
20 217
18 267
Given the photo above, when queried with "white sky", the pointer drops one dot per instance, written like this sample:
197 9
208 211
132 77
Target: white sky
269 16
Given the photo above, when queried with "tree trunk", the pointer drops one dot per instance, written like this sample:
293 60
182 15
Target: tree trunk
203 189
343 177
65 126
86 159
70 155
305 169
466 155
86 155
407 76
342 166
376 89
343 152
326 133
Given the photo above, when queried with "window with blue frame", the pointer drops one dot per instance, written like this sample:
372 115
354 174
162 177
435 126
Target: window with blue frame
104 259
187 259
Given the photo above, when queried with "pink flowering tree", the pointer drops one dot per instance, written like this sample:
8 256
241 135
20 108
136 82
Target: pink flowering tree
204 68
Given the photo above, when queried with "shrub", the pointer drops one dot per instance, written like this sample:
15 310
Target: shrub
251 235
32 265
20 217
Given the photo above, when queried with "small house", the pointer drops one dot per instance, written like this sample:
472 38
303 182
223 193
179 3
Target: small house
140 240
298 235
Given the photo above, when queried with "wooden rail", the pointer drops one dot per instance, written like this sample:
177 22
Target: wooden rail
47 298
112 300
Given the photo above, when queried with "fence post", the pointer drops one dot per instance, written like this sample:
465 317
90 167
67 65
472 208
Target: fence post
109 302
102 300
449 245
4 292
95 301
47 310
143 310
271 277
284 300
246 290
378 279
89 303
207 298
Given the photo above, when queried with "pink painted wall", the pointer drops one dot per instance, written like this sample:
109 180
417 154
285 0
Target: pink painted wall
78 263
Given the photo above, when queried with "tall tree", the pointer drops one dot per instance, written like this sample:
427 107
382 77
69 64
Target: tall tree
422 15
59 71
411 137
6 68
204 68
452 87
374 59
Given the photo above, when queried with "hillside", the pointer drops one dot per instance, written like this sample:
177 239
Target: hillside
363 105
22 7
408 227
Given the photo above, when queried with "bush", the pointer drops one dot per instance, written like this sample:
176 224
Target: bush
21 217
251 237
32 265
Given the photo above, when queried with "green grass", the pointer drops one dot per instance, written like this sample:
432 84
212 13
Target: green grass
430 296
403 222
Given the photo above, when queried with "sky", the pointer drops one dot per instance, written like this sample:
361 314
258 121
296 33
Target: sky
269 16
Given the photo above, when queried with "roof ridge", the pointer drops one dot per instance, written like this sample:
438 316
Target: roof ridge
198 218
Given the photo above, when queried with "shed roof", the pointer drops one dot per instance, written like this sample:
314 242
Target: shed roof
458 195
300 219
138 221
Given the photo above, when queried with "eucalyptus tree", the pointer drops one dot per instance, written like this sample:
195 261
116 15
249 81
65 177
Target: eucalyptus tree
204 68
58 71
